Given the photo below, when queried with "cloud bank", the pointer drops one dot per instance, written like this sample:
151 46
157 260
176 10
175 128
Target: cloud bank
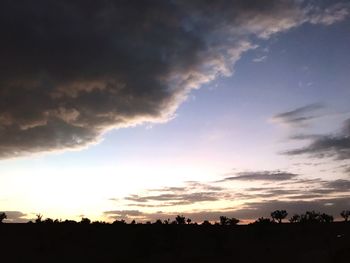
71 70
334 146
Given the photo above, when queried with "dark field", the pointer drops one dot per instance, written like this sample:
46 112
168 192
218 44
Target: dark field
175 243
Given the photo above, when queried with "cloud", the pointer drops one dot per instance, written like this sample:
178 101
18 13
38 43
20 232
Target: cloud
176 199
336 146
16 217
261 176
72 70
260 59
299 116
330 15
296 195
338 185
332 206
124 214
193 192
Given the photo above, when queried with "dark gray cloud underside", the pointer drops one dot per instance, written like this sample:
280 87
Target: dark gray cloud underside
71 70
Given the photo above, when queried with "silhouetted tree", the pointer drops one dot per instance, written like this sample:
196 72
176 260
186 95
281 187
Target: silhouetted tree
133 222
166 221
279 215
85 221
295 219
206 223
345 214
180 220
233 221
188 220
223 220
38 218
3 216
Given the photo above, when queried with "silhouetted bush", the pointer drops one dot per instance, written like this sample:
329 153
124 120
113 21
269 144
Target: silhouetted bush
233 221
206 223
310 217
315 217
295 219
279 215
158 222
345 214
85 221
69 222
99 223
263 221
119 222
3 216
48 221
223 220
324 218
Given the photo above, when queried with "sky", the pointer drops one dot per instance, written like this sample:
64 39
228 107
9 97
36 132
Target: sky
144 110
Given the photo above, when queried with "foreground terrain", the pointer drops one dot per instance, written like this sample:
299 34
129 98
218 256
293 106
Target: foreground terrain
175 243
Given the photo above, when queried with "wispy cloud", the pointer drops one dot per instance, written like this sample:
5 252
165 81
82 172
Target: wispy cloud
336 146
193 192
261 176
299 116
260 59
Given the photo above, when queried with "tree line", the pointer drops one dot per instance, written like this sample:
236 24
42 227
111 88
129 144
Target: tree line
277 216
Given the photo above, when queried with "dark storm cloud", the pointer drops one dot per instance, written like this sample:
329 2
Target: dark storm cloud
337 146
261 176
70 70
299 116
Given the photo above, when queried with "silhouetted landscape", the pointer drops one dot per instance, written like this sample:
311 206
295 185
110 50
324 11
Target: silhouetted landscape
311 238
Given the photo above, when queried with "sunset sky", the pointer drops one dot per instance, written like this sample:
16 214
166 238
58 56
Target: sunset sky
148 109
